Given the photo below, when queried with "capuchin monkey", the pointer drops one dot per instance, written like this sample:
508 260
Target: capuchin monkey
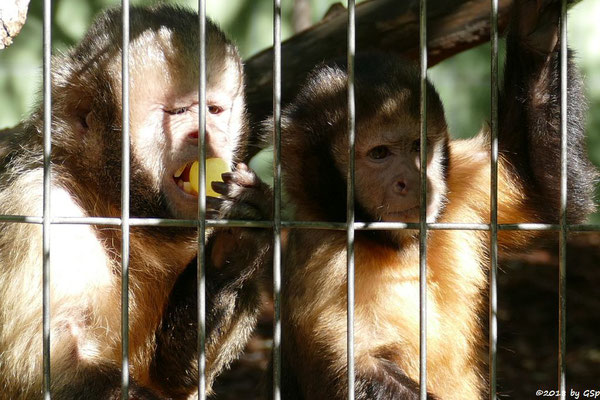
85 260
386 319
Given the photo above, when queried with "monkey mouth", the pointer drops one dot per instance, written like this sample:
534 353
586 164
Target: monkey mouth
408 215
183 181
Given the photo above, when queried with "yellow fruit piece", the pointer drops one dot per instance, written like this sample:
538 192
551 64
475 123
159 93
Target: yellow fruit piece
214 168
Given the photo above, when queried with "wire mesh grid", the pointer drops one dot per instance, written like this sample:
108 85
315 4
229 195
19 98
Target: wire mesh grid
350 226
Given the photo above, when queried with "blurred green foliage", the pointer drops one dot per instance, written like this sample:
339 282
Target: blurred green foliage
248 22
462 81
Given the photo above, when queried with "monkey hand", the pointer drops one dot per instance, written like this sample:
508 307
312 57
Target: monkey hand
536 24
243 197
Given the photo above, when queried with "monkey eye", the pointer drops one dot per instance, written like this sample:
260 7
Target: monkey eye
215 109
379 152
177 111
416 145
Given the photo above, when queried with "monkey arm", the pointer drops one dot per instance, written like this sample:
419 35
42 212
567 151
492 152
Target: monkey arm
529 115
384 382
324 376
387 381
235 257
102 383
232 305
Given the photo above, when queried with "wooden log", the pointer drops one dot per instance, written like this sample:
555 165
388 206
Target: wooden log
381 25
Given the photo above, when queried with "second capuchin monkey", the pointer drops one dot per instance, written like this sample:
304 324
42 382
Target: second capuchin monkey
386 322
85 260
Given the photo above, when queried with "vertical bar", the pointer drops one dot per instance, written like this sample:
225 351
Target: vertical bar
423 207
125 207
562 285
350 196
493 289
201 263
277 199
46 195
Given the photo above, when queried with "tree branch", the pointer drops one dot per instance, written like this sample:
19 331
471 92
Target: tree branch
385 25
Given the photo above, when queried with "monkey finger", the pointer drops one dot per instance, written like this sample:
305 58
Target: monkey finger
246 178
227 177
242 167
212 214
254 203
213 203
241 211
220 187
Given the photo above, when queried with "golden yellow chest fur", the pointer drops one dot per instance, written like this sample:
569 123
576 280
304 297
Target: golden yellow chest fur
387 286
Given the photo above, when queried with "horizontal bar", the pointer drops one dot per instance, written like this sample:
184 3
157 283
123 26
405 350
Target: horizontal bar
364 226
22 219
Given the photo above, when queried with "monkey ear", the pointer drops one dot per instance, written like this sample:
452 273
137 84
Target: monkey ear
74 103
82 122
83 117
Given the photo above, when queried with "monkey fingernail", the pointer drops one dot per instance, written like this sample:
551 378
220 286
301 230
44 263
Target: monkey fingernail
227 177
219 188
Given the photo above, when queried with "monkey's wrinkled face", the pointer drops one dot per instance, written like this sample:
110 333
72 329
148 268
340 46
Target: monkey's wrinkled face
166 130
388 172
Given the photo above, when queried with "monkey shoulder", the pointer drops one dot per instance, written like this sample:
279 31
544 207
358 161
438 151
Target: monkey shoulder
469 184
468 180
73 246
17 192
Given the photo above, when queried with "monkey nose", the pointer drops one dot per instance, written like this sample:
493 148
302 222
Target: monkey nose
401 187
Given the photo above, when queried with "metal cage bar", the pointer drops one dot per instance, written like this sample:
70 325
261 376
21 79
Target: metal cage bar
47 220
493 273
125 168
350 196
363 226
562 285
201 221
423 204
277 199
46 227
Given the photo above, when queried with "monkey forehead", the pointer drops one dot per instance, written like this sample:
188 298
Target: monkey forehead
400 132
176 59
163 72
164 39
397 134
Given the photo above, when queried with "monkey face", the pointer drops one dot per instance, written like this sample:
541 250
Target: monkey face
388 172
387 175
163 115
164 120
168 134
